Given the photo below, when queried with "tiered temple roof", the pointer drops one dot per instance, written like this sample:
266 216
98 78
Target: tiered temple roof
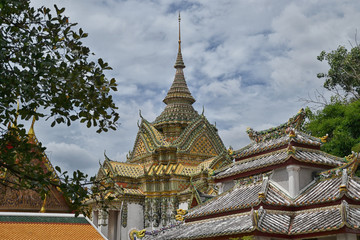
259 205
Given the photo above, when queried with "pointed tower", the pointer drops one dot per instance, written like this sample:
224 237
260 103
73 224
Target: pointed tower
179 111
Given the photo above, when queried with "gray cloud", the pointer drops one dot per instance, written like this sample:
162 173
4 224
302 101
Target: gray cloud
247 62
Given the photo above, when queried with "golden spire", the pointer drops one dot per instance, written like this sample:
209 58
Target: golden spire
31 132
42 210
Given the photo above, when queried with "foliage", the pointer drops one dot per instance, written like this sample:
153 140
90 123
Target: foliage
341 121
344 72
45 66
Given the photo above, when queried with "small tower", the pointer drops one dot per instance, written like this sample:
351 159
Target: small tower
179 111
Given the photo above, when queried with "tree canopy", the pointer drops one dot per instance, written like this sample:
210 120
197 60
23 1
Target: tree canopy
341 122
340 118
344 72
45 66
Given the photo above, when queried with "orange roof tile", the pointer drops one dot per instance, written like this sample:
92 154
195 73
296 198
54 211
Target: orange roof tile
46 226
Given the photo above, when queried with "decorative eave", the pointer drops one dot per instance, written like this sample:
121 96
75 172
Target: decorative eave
276 159
256 191
329 220
293 123
299 138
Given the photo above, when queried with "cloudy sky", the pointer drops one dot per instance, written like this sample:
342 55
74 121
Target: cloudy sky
247 62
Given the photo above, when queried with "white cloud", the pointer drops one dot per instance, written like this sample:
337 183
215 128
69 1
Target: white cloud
247 62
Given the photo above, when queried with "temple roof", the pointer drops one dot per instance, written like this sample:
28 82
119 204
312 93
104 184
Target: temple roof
275 142
278 136
250 192
132 170
287 223
198 138
300 154
47 226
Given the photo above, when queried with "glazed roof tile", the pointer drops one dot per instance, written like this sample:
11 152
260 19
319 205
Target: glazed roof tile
300 222
277 157
257 147
46 226
274 196
316 220
243 196
132 191
353 216
320 191
353 189
277 222
127 169
236 198
288 223
239 223
252 163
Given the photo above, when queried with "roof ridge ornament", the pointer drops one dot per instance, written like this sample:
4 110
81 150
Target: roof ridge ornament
179 60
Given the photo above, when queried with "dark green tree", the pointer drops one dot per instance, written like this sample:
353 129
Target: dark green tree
45 66
341 121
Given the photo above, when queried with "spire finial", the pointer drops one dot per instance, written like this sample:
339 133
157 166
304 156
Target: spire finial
31 132
179 61
179 30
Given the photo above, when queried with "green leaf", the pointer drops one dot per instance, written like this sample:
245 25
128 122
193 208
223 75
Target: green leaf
58 169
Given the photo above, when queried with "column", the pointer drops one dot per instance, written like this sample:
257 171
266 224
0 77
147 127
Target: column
294 184
103 222
95 215
118 234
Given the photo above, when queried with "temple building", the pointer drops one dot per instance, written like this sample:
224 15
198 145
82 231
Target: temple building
281 186
170 162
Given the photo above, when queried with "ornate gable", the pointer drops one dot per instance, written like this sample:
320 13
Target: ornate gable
139 148
203 145
200 137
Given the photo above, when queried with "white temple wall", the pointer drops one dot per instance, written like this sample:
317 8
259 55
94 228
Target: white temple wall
135 219
184 205
227 185
103 222
346 236
95 218
307 176
112 228
280 176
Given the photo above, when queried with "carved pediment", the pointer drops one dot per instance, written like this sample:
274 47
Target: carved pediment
203 145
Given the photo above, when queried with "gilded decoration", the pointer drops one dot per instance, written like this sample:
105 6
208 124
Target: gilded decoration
139 148
203 146
124 214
